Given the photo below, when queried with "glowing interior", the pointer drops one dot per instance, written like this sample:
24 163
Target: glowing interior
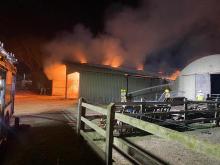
73 85
57 74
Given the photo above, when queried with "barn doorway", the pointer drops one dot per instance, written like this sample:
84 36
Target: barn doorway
215 84
73 85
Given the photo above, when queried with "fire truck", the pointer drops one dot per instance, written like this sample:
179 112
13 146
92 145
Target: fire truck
7 90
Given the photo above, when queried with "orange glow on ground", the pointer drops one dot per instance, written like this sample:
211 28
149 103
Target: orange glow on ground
73 85
174 75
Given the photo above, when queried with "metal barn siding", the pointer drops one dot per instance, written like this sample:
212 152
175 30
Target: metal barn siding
144 83
106 87
101 84
101 87
138 83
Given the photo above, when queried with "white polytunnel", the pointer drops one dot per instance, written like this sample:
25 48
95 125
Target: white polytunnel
202 75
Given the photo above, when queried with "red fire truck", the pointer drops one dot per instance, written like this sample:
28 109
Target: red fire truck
7 90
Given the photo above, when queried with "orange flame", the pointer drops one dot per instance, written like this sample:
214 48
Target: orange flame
140 67
81 57
174 75
57 73
114 62
73 85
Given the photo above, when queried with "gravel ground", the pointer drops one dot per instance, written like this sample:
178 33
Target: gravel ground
173 152
45 137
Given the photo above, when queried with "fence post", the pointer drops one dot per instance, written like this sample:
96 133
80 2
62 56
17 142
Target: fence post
185 108
81 112
216 115
109 133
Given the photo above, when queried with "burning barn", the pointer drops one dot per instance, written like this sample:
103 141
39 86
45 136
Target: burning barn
200 76
97 83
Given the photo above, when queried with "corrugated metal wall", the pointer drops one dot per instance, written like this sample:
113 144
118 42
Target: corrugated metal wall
101 87
105 87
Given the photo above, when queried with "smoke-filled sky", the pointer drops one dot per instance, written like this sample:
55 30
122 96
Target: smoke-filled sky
161 35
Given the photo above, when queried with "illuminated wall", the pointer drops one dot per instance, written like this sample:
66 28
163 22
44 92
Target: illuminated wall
100 84
195 77
73 85
58 74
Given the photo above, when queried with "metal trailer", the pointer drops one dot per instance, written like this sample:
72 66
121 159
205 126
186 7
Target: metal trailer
7 90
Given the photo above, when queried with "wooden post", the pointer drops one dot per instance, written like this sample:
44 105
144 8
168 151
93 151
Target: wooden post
216 115
66 86
81 112
109 133
126 85
185 108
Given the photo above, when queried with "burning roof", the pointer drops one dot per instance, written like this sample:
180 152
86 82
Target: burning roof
107 69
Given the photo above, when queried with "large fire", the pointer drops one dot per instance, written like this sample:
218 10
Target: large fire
174 75
73 85
114 61
68 85
109 60
57 73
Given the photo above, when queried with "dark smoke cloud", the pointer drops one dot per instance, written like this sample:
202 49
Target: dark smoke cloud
201 40
82 46
163 35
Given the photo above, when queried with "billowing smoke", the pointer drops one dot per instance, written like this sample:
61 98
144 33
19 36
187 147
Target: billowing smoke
81 46
161 35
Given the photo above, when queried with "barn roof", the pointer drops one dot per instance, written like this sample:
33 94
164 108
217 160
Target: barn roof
106 69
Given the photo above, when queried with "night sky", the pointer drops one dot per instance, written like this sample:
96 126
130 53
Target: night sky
45 18
177 31
26 25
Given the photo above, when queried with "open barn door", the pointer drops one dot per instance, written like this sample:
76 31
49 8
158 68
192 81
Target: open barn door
203 84
73 85
215 84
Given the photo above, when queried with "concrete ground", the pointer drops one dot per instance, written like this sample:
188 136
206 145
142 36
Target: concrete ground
170 152
45 136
